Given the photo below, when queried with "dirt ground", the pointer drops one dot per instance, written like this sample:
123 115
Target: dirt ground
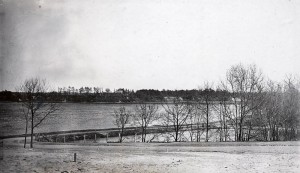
152 157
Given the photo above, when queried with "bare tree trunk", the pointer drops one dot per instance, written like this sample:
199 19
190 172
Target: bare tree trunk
198 131
191 134
176 133
31 140
225 129
207 114
121 135
145 133
241 131
143 138
142 133
26 128
249 132
277 134
236 123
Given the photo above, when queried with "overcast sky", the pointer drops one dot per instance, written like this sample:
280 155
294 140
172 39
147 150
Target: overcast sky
171 44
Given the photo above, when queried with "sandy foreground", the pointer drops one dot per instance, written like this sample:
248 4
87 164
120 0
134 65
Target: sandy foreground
152 157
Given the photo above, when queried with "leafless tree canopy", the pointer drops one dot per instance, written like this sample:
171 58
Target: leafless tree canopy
122 117
206 101
246 87
177 115
145 115
36 107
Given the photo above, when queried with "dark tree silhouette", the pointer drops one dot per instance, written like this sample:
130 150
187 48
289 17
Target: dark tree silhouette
177 115
145 115
121 118
36 106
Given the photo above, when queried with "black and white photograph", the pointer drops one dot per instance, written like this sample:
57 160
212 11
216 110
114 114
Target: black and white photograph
149 86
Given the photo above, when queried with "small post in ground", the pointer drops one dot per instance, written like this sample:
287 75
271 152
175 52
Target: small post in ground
74 157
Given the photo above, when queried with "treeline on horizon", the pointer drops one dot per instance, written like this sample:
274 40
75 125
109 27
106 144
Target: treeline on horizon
95 94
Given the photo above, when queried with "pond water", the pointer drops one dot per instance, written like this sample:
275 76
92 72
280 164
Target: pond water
70 116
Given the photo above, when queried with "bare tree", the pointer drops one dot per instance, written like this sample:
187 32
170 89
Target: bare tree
222 109
177 114
122 117
280 114
246 86
206 102
291 108
25 112
194 121
145 115
36 104
272 111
